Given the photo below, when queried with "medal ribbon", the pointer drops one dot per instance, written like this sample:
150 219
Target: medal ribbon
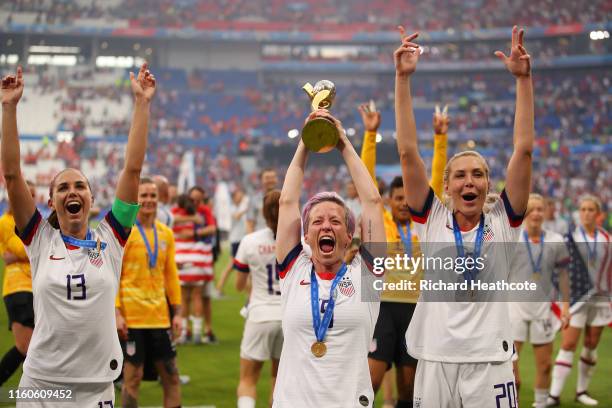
592 254
406 238
537 265
86 243
477 245
321 326
152 254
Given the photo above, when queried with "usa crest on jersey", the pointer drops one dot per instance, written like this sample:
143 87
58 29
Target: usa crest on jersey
95 258
346 286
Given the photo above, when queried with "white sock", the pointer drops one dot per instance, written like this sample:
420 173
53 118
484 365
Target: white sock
184 328
197 326
562 368
246 402
541 394
586 367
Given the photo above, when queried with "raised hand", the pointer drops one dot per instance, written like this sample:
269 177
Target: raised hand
371 120
143 85
407 55
441 120
518 62
12 87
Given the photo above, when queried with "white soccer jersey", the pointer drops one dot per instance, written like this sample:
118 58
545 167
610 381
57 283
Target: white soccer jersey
341 377
256 256
597 256
464 332
554 257
75 334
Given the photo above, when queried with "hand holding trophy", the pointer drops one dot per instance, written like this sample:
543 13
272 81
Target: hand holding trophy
320 134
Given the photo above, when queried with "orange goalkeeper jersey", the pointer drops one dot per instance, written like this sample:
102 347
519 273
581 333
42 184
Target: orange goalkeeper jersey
143 290
17 275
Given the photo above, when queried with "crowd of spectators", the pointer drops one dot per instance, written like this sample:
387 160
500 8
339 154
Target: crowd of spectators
316 15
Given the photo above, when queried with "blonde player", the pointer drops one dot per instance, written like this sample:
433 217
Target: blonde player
263 337
149 274
540 255
327 325
16 292
464 347
592 315
75 271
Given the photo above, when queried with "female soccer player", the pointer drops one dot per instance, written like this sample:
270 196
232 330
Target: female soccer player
149 285
464 348
540 255
17 293
327 325
263 336
592 315
75 271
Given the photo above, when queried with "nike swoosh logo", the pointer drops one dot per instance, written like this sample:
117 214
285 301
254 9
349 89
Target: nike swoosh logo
56 259
302 282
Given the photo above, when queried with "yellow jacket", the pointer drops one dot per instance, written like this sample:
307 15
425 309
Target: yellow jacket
143 291
394 243
17 276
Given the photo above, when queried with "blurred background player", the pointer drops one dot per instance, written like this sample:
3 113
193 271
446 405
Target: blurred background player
149 274
164 207
594 312
552 221
541 257
75 271
262 339
269 181
238 208
464 348
327 326
17 292
206 235
388 346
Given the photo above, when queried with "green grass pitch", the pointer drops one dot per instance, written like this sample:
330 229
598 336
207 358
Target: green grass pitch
214 368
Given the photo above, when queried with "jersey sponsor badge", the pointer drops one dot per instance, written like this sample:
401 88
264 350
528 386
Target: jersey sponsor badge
303 282
130 348
54 258
346 286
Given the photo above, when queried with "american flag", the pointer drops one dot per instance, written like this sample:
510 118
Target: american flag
346 286
95 258
580 281
488 233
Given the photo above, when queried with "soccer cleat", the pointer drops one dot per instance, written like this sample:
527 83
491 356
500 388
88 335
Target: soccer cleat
553 401
585 399
184 379
210 338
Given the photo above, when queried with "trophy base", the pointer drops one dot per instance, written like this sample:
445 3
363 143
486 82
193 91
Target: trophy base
320 135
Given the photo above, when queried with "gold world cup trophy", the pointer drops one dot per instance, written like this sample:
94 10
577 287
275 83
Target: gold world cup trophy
320 134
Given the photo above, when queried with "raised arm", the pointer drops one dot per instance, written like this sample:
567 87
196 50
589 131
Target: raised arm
440 125
23 205
371 122
414 173
143 88
372 225
288 233
518 175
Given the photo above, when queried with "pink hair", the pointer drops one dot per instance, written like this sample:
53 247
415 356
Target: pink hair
349 219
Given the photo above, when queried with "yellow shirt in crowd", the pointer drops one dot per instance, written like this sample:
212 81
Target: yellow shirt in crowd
143 290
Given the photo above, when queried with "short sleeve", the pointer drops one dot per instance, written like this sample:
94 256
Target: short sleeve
35 236
241 260
422 221
115 236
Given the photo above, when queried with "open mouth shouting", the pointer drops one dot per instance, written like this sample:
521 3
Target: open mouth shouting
469 197
327 243
73 207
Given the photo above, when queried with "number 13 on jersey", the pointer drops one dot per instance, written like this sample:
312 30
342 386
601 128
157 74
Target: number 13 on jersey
75 287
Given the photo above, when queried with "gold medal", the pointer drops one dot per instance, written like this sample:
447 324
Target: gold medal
318 349
535 276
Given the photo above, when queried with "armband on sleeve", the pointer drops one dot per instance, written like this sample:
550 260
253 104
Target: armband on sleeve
125 213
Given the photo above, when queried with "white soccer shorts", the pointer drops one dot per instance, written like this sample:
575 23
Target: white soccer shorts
536 331
592 314
261 341
464 385
84 394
